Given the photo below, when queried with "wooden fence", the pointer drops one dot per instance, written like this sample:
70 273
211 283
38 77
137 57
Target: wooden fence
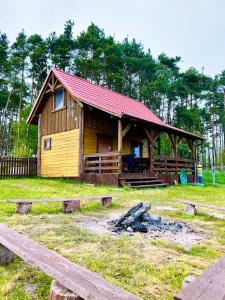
16 166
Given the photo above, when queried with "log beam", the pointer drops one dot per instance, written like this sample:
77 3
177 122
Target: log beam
152 137
126 129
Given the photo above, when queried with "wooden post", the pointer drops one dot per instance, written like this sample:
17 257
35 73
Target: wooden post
59 292
70 206
81 141
175 140
39 147
6 256
159 145
23 208
152 137
192 147
120 132
106 201
190 209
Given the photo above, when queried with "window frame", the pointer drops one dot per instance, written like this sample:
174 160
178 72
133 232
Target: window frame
141 148
54 99
46 146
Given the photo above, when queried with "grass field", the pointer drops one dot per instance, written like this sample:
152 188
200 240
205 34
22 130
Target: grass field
150 268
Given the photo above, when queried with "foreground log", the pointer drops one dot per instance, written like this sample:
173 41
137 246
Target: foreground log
6 256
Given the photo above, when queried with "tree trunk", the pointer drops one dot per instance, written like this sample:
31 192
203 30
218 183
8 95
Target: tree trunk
20 109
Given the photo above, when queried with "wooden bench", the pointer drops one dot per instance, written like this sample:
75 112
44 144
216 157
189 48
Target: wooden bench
209 286
81 283
190 207
68 204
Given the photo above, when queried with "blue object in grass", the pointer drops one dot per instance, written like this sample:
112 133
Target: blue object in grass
183 177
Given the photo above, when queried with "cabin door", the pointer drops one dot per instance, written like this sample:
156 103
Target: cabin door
104 143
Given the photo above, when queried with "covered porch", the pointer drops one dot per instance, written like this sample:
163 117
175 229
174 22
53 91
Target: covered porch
137 155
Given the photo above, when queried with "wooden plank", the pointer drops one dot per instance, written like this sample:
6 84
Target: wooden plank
200 204
210 285
116 153
79 280
89 162
102 168
61 199
170 170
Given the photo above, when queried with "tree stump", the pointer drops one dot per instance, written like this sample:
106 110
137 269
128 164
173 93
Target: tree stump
70 206
23 208
190 209
106 201
59 292
6 256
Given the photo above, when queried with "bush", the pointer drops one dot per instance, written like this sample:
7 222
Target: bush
21 151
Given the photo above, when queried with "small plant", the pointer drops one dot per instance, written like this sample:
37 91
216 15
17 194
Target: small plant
21 151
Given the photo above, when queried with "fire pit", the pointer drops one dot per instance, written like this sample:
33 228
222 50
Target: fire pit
138 219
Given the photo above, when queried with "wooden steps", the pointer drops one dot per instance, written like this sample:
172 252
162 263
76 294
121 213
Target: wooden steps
141 182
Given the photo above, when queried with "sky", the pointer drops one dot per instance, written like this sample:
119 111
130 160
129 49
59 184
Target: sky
194 30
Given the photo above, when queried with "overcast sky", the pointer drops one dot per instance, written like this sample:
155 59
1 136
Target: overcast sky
192 29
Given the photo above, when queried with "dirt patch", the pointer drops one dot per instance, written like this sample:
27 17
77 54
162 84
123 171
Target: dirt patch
187 237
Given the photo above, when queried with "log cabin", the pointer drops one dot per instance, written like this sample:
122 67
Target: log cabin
91 133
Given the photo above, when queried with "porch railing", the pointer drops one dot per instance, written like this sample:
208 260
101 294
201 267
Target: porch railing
109 162
170 164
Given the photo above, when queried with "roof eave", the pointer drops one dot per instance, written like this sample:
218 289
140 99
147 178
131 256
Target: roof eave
178 130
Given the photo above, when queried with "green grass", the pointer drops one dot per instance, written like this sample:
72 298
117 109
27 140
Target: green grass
151 269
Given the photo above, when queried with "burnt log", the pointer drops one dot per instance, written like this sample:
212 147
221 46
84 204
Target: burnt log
130 212
140 226
146 217
136 216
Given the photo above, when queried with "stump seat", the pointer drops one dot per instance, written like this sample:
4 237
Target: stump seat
70 279
69 205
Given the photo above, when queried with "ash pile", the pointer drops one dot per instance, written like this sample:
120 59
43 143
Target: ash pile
139 219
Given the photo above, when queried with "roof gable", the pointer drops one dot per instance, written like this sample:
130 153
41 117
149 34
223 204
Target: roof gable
104 99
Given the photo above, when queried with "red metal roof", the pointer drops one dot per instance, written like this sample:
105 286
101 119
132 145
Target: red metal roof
107 100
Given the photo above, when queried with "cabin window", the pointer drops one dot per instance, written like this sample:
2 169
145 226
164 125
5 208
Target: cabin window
47 144
59 99
136 150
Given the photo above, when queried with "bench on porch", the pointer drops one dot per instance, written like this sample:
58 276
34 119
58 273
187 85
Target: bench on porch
68 204
70 280
190 207
210 285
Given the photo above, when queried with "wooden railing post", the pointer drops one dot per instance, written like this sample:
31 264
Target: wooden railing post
39 147
120 138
